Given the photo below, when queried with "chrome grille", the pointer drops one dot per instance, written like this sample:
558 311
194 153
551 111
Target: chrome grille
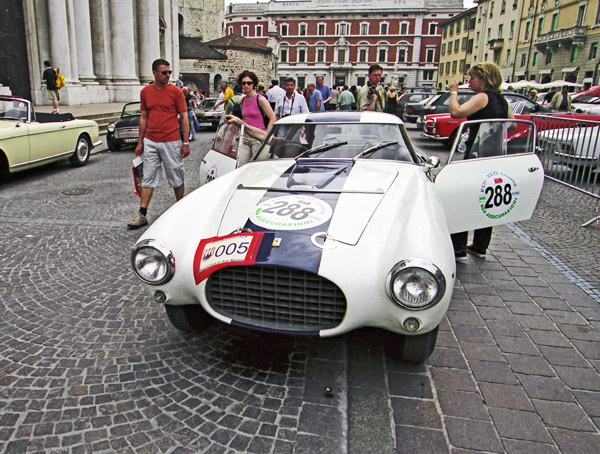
276 298
127 133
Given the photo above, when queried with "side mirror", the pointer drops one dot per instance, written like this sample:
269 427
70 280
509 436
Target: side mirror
432 163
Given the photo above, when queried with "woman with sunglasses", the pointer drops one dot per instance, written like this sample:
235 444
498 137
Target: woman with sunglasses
256 112
485 79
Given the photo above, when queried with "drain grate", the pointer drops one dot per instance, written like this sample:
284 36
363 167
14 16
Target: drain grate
77 191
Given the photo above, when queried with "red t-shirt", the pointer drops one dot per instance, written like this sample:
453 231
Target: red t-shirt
163 107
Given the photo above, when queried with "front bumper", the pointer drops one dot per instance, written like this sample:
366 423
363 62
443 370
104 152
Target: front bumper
433 136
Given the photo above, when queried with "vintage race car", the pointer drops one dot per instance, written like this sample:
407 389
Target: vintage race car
29 140
207 117
126 130
335 224
576 147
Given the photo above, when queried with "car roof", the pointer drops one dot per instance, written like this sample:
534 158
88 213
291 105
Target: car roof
342 117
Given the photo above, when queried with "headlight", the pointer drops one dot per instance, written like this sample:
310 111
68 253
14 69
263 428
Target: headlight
416 284
153 262
111 127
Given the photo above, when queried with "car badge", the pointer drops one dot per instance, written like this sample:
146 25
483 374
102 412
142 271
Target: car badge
276 242
208 253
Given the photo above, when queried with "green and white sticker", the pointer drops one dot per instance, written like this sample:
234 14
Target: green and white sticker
498 195
291 212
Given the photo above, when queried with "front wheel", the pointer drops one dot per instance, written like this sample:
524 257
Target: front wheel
189 318
82 152
112 145
415 349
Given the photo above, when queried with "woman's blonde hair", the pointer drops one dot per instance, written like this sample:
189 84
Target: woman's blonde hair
490 74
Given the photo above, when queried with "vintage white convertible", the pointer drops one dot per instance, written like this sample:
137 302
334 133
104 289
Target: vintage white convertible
29 140
336 224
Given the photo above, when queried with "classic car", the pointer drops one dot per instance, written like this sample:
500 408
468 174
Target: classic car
410 98
126 130
207 117
589 106
29 139
577 147
335 224
444 128
413 110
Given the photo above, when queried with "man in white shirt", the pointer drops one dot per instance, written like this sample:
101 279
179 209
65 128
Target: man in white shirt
275 93
291 103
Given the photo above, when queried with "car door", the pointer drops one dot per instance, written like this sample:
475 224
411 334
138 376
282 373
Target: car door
223 156
48 140
500 185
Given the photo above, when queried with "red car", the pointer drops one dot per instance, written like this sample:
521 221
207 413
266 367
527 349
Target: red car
443 127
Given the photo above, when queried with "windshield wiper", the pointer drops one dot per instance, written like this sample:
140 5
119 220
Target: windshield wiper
321 148
374 148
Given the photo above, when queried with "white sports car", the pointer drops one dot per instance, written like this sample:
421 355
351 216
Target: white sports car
337 223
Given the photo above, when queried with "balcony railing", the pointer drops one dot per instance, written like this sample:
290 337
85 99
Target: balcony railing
496 44
564 36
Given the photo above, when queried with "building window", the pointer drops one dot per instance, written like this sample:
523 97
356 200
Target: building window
404 28
492 9
500 30
364 28
512 30
230 30
402 55
574 53
283 55
447 67
527 29
321 28
503 7
540 26
508 57
342 29
456 44
428 74
535 59
301 55
245 31
458 24
382 54
548 57
301 81
581 15
477 39
593 50
451 29
362 55
470 46
430 55
258 30
461 67
597 20
523 59
444 49
433 28
463 44
320 55
554 22
284 29
302 29
383 28
454 66
341 55
444 31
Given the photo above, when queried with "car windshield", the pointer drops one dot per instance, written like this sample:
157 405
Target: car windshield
13 109
207 103
335 140
131 109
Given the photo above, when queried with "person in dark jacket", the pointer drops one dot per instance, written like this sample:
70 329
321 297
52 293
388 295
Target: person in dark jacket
485 80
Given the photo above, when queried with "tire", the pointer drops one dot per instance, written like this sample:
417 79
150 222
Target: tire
112 145
190 318
4 172
81 155
415 349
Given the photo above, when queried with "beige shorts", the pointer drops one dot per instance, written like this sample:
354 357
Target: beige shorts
158 155
52 94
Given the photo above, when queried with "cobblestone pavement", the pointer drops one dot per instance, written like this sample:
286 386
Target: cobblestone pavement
88 363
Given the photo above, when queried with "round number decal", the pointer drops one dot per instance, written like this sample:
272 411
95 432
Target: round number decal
498 195
291 212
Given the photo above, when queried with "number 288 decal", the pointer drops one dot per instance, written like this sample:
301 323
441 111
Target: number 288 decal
498 195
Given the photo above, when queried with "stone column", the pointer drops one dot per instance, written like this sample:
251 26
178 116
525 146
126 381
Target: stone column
83 30
71 20
122 41
58 29
100 40
148 38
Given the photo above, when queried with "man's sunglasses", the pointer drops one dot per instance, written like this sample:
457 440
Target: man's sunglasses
165 72
247 82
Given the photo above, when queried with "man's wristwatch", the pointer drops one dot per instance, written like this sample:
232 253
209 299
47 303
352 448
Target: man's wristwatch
186 143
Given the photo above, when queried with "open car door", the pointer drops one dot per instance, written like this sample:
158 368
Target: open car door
224 154
497 180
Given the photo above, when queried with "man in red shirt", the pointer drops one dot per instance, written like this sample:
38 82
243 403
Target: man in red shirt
159 143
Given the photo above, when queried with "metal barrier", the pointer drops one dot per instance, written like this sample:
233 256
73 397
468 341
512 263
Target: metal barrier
570 153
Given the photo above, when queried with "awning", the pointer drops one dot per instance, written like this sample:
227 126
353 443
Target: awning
519 73
545 71
570 70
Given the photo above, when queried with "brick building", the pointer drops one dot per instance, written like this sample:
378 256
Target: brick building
340 39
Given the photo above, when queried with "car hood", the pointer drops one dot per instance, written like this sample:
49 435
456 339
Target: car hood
125 122
308 198
568 134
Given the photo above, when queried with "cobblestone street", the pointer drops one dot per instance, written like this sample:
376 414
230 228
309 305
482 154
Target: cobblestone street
89 363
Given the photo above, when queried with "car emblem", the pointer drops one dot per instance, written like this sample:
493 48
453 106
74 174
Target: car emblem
208 253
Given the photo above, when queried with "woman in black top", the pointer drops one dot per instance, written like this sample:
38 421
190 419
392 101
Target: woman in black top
485 80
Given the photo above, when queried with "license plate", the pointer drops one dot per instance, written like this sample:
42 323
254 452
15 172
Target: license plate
130 140
208 123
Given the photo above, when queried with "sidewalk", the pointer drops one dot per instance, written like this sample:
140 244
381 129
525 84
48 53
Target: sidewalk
86 110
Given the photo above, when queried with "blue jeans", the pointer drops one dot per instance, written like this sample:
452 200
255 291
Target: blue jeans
191 115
